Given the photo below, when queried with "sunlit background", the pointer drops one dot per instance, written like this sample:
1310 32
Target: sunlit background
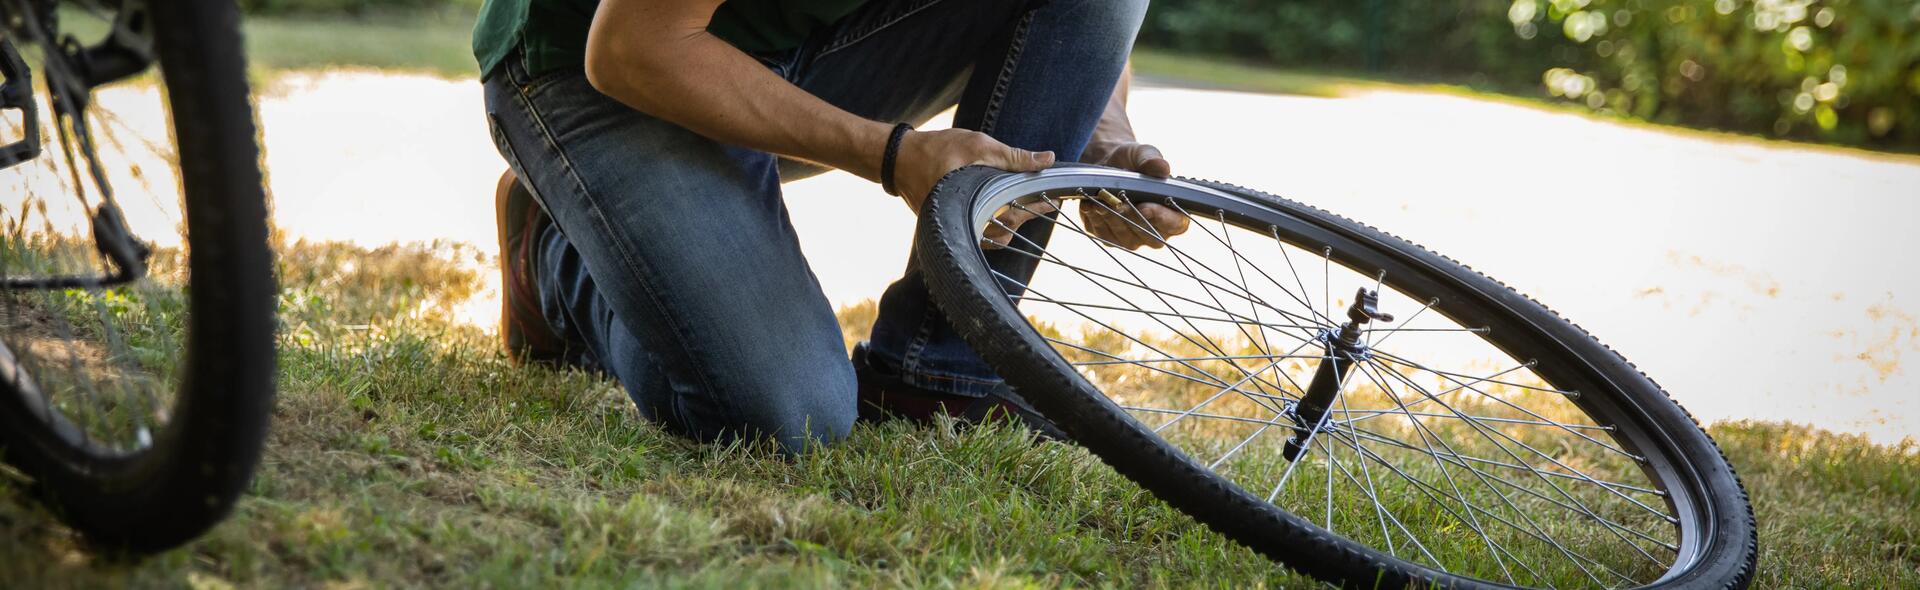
1753 278
1724 191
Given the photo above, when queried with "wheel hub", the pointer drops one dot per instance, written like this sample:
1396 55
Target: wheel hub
1344 350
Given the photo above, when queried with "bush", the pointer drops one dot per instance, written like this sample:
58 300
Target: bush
1843 71
1413 37
353 7
1846 71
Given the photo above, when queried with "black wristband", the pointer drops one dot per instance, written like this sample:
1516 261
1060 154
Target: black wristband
887 159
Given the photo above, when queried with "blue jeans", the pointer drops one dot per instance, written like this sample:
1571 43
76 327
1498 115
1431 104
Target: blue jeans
673 265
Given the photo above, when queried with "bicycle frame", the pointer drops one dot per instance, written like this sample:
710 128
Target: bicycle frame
125 51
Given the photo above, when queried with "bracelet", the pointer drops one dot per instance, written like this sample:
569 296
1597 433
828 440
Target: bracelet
892 154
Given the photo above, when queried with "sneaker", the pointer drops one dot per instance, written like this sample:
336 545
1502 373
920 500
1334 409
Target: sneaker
523 328
884 396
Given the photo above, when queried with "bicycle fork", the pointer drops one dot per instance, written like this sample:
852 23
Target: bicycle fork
1344 350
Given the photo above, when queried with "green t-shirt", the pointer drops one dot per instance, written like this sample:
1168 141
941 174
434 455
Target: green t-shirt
553 33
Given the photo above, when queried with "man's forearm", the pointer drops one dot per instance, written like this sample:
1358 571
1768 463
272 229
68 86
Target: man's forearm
1114 126
1113 143
658 58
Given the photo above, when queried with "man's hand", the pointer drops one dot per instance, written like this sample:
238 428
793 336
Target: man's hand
1125 153
1130 225
1108 217
1124 223
926 157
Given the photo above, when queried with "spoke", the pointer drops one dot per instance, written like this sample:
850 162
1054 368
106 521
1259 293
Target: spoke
1473 330
1531 413
1157 295
1484 430
1242 284
1536 533
1305 444
1205 415
1258 383
1372 494
1462 460
1265 346
1330 461
1455 377
1458 496
1240 270
1428 491
1423 309
1238 258
1216 348
1396 359
1135 340
1277 417
1165 313
1282 244
1456 388
1259 344
113 138
1217 382
1267 357
1230 388
1326 281
1574 474
1381 513
1177 252
115 343
1504 465
1365 414
82 379
1051 259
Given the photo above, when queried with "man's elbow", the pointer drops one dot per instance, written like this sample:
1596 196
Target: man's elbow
605 67
613 65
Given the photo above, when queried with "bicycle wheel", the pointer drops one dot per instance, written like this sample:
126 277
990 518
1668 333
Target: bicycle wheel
136 313
1252 373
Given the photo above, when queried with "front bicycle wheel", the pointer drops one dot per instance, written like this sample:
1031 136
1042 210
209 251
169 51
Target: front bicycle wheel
136 292
1340 400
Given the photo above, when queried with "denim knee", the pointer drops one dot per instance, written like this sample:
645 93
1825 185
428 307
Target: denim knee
800 412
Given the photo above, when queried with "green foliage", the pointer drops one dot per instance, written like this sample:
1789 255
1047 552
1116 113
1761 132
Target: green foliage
353 7
1845 71
1404 36
1841 71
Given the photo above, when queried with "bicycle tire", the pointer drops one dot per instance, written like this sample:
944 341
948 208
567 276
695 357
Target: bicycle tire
199 462
1723 554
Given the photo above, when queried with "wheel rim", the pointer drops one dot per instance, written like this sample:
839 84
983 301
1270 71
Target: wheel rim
1536 472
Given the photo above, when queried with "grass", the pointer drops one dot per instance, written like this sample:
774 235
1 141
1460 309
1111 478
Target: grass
436 43
407 452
